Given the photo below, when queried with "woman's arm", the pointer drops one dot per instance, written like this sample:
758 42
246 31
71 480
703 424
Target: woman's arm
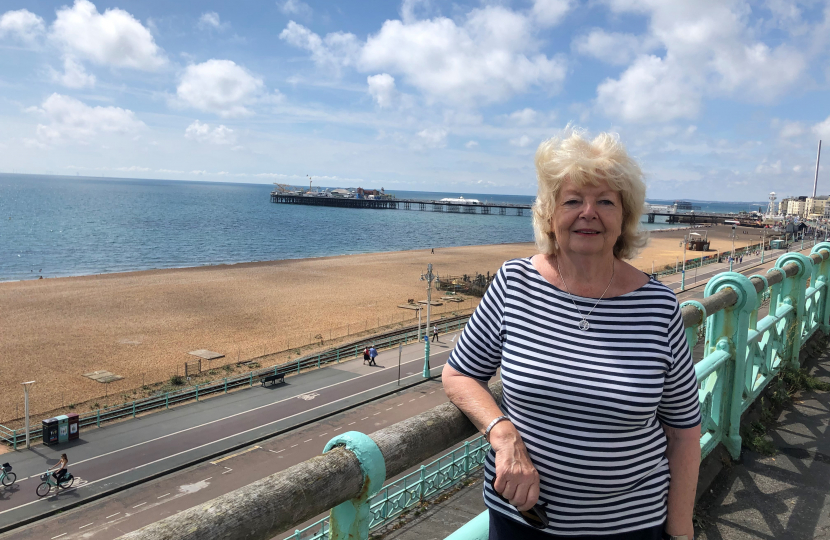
516 477
683 453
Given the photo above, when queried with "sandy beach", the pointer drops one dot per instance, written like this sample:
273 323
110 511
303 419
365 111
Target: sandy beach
141 325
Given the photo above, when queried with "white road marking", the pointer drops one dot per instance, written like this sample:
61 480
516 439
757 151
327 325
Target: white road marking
350 423
326 433
377 413
411 400
390 408
422 397
89 483
115 514
160 497
362 419
400 404
335 429
206 479
277 451
293 445
58 536
139 504
229 470
309 440
84 526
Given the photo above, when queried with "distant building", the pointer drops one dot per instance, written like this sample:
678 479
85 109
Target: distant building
816 206
793 206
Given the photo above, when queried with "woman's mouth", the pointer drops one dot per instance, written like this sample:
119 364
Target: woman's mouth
587 232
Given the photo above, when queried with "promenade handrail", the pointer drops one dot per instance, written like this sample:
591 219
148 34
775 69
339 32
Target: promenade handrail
741 356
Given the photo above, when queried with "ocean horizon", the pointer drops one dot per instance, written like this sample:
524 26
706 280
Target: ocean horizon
59 226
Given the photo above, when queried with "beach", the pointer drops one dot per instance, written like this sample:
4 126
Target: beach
142 325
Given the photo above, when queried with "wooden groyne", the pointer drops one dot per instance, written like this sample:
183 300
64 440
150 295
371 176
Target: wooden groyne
500 209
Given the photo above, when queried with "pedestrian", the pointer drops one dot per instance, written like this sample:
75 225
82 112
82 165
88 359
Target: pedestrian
435 333
366 355
373 354
433 251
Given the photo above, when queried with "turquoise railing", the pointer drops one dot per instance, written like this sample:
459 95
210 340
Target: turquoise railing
743 352
397 496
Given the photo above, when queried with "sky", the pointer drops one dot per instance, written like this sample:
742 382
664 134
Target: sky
716 99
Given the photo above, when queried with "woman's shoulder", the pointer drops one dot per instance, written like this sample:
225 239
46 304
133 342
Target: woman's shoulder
637 281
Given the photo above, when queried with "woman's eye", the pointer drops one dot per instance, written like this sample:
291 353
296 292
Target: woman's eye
571 202
607 202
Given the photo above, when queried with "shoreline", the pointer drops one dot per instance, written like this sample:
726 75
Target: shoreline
142 324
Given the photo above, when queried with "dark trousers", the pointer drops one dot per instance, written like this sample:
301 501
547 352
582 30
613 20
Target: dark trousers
504 528
434 337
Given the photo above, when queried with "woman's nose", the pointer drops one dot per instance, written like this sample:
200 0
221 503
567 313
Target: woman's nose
589 210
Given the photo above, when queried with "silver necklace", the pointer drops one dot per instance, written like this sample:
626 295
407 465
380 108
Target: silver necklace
584 325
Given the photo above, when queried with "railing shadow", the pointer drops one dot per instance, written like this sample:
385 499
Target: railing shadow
781 496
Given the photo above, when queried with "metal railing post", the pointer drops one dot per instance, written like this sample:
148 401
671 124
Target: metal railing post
422 478
466 458
793 293
15 439
167 400
298 367
338 356
824 277
133 408
350 520
226 385
98 418
251 375
318 360
197 392
727 330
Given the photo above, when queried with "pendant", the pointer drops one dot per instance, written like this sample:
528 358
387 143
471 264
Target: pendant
583 325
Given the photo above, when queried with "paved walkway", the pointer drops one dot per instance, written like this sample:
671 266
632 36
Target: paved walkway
784 496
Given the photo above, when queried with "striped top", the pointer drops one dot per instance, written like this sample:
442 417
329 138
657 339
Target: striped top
588 405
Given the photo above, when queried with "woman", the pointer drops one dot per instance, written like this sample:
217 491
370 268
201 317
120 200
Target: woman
61 468
601 414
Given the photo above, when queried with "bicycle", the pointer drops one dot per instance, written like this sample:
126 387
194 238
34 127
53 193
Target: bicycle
49 481
7 477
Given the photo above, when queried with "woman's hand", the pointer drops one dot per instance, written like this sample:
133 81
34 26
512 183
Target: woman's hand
516 478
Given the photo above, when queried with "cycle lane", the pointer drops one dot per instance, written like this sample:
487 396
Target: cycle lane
123 466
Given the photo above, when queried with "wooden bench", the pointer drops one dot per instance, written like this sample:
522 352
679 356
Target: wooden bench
280 377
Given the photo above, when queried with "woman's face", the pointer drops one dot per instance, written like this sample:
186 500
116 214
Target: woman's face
587 220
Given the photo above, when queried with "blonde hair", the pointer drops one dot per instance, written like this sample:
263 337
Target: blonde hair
583 162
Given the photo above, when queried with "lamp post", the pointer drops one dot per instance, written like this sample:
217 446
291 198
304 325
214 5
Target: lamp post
26 386
732 255
683 271
428 277
763 242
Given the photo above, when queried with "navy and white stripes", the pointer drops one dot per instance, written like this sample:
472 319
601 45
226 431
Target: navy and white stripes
589 405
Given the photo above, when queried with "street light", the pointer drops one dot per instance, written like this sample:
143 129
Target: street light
428 277
26 386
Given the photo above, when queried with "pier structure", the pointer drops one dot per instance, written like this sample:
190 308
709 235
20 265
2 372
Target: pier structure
694 217
501 209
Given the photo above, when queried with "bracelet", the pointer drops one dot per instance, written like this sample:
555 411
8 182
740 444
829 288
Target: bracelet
492 425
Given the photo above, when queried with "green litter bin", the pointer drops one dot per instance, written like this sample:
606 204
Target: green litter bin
63 428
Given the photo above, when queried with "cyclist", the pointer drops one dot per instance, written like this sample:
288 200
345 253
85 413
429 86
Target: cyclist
61 468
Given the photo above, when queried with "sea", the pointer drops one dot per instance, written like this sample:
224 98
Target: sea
56 226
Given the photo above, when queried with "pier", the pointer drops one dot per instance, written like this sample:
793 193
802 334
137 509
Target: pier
500 209
692 218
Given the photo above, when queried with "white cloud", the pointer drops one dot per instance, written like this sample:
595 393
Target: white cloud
550 12
523 117
431 138
522 141
382 88
791 129
650 90
331 53
74 75
768 168
822 129
611 47
21 23
296 7
72 120
204 133
797 168
471 144
710 51
210 20
490 57
219 86
114 38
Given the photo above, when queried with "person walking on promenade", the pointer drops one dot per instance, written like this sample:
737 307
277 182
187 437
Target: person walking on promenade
373 354
435 333
599 437
366 357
